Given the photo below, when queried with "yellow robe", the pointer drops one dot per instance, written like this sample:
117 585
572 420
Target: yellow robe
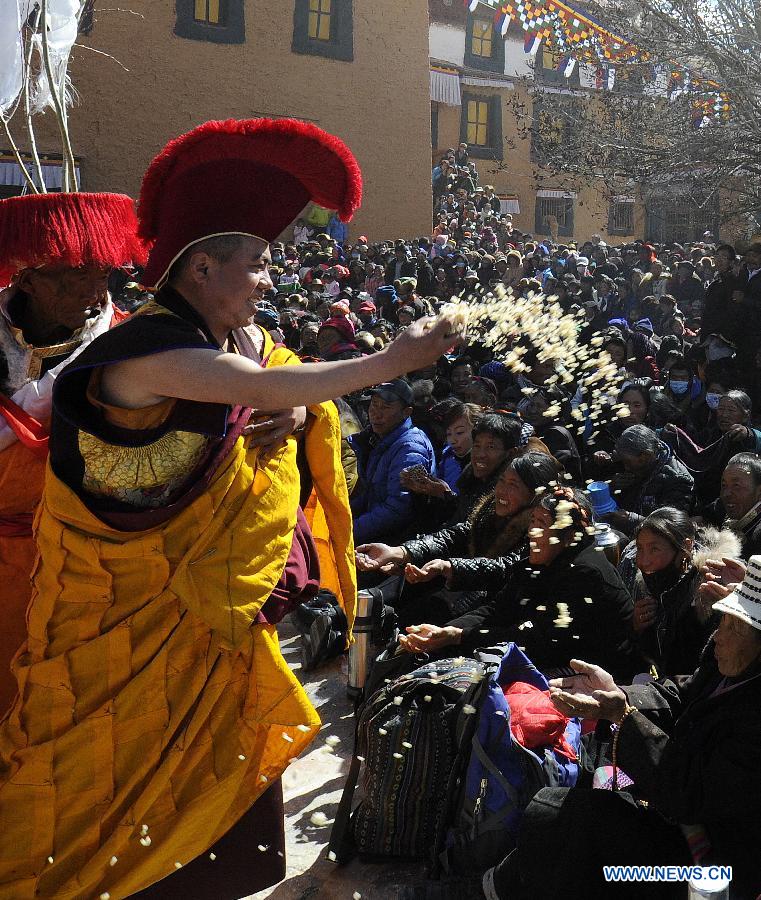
148 699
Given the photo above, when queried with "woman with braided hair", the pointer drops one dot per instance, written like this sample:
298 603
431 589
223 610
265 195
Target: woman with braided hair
566 598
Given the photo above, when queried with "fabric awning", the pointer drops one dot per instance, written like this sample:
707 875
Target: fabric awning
10 175
445 87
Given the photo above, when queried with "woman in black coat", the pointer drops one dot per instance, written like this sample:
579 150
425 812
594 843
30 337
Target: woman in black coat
455 566
566 600
693 751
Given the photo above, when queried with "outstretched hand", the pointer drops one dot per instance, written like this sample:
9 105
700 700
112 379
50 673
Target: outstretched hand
378 558
419 484
724 570
427 572
427 638
591 694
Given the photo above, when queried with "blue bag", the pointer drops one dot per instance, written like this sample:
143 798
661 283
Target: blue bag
502 776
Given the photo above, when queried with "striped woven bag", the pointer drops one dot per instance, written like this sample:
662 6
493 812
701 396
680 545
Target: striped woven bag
407 735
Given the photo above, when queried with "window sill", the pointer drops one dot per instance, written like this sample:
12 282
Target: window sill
477 152
324 49
485 64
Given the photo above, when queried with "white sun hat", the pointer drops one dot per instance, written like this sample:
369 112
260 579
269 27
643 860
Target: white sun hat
745 602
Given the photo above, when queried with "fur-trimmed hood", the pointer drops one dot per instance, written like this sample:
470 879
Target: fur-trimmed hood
716 543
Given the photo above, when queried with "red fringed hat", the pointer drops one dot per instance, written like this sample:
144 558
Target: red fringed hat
68 229
252 177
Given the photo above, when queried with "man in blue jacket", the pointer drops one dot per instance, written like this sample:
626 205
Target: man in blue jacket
382 509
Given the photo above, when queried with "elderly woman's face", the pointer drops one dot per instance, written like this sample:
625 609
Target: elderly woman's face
737 646
637 465
654 553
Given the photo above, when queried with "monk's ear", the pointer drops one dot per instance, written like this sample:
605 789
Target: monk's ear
199 266
26 280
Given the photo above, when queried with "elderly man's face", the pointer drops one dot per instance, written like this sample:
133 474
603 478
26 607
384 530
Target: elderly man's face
729 413
309 334
386 415
739 491
67 296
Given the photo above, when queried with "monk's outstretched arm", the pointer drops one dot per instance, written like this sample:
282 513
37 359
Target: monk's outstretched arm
213 376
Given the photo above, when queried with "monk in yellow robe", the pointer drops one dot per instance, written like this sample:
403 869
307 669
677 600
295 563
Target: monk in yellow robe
56 253
155 712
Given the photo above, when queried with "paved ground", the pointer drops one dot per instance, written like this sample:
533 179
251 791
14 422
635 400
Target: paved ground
313 784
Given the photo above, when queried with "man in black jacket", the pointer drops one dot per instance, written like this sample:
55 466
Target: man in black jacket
401 266
426 279
719 309
748 316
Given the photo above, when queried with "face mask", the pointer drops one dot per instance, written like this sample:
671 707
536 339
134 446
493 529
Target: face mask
658 582
712 400
679 387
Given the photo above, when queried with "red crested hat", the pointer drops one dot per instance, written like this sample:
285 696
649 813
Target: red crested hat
251 177
342 325
74 230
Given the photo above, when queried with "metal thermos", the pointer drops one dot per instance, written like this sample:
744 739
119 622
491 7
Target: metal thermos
360 652
606 538
702 889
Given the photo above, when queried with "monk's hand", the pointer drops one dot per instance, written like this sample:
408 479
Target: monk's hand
590 694
424 342
267 430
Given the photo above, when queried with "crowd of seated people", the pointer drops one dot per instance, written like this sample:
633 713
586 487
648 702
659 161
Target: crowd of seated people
471 494
470 486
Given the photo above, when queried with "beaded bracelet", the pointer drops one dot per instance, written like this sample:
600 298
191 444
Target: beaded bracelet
616 729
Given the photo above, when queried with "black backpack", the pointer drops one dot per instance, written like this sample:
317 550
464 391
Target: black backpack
322 626
413 736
